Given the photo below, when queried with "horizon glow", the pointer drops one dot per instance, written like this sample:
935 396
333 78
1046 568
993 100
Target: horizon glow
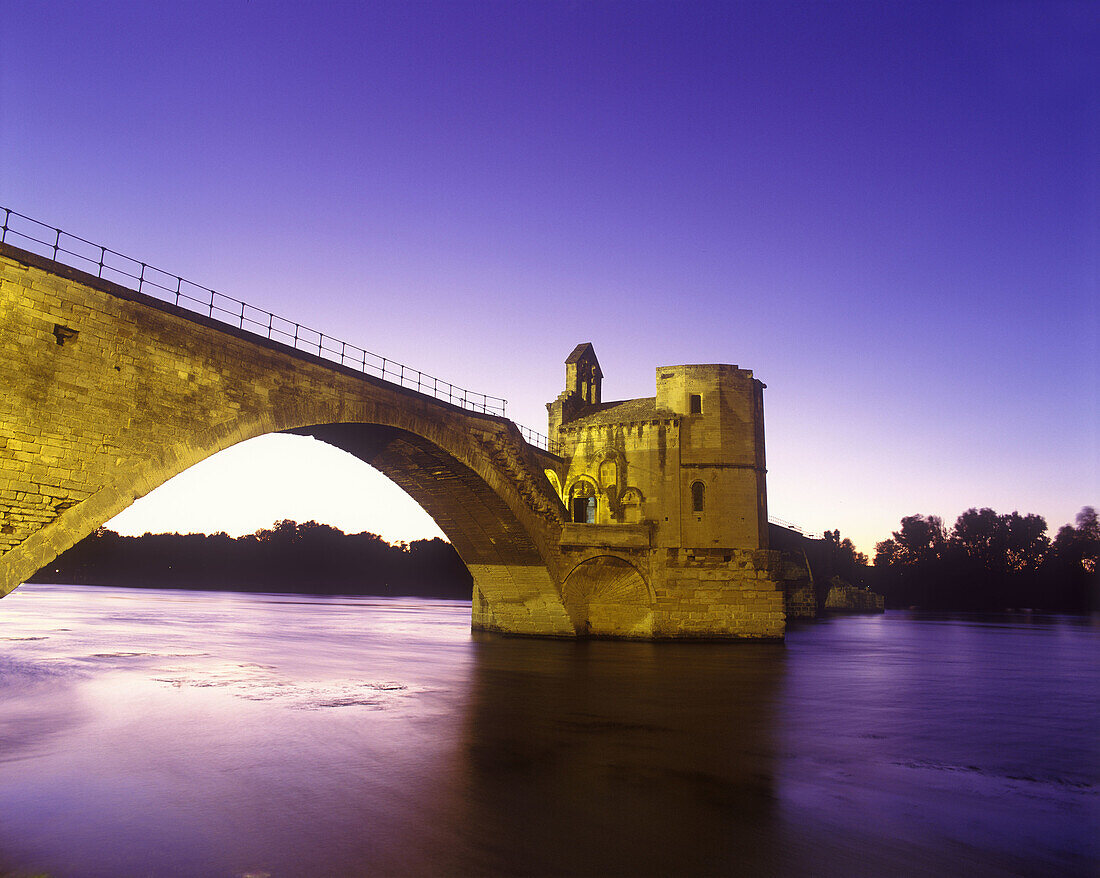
322 483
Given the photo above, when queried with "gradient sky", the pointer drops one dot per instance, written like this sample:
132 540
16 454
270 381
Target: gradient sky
888 211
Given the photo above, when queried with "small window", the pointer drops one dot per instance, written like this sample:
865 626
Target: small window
698 489
696 404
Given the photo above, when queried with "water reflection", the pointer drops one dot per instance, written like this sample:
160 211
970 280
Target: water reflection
180 735
620 758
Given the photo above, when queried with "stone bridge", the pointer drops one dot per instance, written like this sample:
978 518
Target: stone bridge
108 393
652 524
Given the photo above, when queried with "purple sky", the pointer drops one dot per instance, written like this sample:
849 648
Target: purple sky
889 211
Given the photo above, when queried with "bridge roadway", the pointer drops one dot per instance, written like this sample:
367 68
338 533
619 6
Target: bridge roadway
108 393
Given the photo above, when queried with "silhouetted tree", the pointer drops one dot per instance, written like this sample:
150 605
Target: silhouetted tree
994 560
910 562
288 557
990 562
848 562
839 558
1072 567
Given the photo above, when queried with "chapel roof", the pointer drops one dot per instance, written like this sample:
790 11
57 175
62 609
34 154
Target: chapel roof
623 411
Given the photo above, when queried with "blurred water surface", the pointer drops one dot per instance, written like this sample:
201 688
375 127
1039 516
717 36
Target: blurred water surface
171 733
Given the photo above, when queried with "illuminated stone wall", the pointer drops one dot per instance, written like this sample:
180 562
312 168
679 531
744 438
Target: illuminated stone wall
708 592
107 394
679 489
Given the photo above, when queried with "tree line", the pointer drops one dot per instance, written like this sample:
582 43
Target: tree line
306 558
990 562
986 562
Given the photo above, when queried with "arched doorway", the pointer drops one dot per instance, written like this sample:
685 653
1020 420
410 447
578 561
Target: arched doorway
582 502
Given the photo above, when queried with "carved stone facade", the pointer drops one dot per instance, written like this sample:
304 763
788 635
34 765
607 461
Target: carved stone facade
673 486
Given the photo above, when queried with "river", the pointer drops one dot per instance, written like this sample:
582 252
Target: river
172 733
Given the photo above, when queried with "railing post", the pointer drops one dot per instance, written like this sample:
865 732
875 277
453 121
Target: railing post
57 244
141 277
7 216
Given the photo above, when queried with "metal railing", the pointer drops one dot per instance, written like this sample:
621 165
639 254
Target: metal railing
796 528
539 440
79 253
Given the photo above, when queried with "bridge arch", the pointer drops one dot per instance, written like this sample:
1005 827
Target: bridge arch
461 479
607 596
465 484
141 390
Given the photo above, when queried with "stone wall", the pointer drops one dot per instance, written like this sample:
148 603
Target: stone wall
618 591
800 601
821 589
109 393
719 594
722 447
641 457
845 598
799 593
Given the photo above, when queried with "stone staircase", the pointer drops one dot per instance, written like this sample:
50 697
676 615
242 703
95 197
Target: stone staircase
512 456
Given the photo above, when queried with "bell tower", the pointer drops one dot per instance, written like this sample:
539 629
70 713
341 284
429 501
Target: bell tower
583 376
583 387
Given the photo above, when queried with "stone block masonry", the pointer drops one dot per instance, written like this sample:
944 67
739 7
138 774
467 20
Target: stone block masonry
648 525
846 598
108 394
672 484
720 594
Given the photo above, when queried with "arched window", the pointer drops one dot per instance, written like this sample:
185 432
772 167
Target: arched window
552 478
698 490
609 474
